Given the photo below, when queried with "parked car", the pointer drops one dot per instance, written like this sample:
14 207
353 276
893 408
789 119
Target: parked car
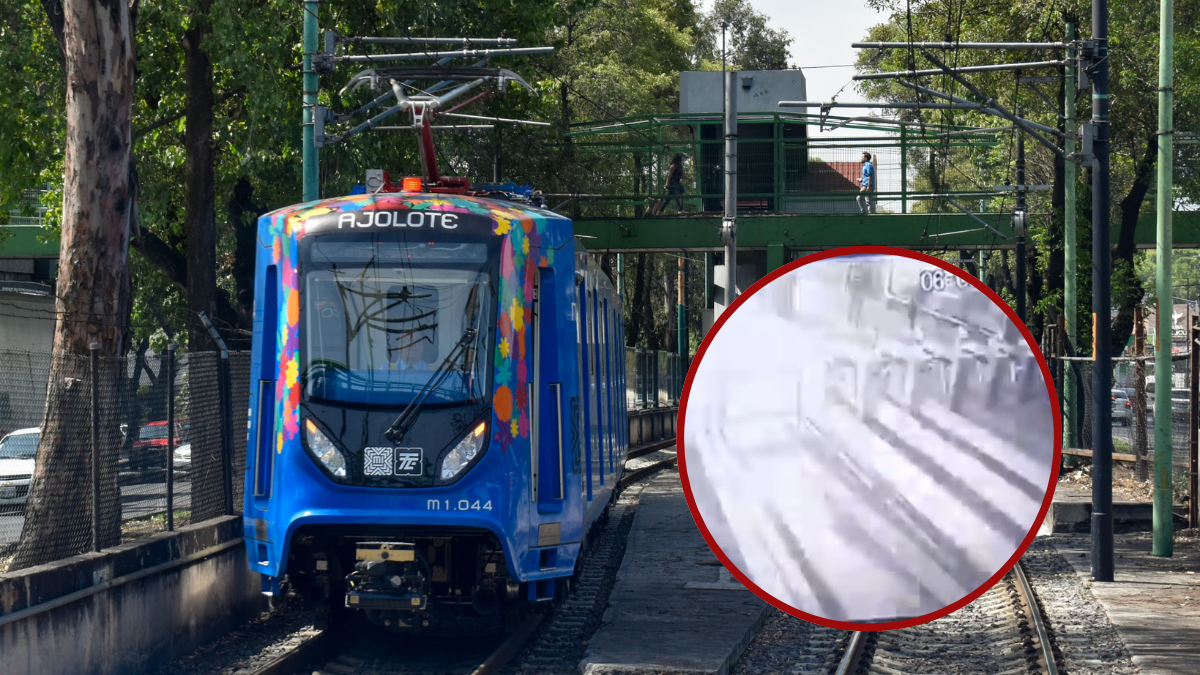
1180 405
1122 407
18 451
149 449
183 459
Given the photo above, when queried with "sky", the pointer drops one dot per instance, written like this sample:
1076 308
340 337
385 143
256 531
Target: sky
821 36
822 33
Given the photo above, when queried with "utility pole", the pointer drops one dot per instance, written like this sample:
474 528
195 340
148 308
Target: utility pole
311 171
1019 215
1070 266
681 315
729 224
621 276
1102 517
1141 466
1164 519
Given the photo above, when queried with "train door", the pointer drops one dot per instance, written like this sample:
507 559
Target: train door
594 383
260 459
547 443
582 327
608 386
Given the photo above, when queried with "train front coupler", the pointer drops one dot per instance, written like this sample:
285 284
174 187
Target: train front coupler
391 583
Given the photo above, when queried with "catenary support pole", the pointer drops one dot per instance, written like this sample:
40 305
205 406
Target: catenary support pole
1102 517
1022 273
1141 446
1070 265
1164 519
621 275
170 374
94 367
681 315
729 226
311 172
708 280
903 169
1193 444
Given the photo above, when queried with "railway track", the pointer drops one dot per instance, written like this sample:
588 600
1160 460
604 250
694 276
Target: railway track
545 642
1001 632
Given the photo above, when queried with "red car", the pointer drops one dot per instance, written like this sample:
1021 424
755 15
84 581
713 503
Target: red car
149 449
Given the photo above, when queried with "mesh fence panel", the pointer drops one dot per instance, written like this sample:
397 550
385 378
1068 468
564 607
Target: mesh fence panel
1132 425
203 414
48 489
239 366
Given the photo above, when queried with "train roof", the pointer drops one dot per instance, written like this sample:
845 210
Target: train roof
497 209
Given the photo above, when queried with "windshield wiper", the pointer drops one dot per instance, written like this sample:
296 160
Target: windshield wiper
408 416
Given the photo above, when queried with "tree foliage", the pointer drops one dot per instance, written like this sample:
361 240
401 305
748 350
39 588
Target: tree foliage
750 44
614 59
1134 115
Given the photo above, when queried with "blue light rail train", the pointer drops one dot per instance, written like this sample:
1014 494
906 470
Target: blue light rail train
437 409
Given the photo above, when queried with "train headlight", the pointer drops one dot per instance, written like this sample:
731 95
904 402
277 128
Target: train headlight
462 454
324 449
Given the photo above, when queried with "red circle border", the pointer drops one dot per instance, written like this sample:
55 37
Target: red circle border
1051 392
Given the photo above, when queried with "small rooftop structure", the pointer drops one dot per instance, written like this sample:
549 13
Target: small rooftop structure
757 90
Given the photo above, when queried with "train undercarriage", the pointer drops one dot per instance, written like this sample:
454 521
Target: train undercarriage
403 578
409 578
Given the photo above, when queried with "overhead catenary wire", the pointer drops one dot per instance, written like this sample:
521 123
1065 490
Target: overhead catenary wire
960 45
961 69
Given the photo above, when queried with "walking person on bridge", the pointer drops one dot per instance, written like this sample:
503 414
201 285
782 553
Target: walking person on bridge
674 186
866 198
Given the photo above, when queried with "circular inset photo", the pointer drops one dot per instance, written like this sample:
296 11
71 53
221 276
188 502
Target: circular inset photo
869 438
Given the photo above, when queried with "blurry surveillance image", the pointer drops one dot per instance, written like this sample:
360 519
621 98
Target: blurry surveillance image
868 438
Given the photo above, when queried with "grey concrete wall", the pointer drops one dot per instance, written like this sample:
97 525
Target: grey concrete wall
26 321
134 626
757 91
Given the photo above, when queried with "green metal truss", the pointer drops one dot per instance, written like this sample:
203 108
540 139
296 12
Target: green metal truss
809 232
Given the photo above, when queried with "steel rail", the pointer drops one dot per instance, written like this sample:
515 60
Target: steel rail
1034 613
322 644
635 476
854 652
510 646
315 647
649 448
312 649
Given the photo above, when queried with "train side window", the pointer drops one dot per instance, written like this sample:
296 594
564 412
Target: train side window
608 388
593 388
584 373
548 412
266 385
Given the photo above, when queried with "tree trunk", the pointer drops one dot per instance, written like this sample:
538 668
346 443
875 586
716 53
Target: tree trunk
636 327
199 190
1122 262
1006 275
246 233
669 299
93 284
199 203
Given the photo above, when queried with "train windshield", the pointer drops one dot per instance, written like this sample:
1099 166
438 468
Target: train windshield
382 314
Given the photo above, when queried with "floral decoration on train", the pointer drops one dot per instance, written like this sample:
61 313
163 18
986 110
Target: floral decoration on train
521 255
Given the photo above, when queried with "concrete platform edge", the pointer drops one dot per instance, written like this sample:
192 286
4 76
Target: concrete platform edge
643 669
